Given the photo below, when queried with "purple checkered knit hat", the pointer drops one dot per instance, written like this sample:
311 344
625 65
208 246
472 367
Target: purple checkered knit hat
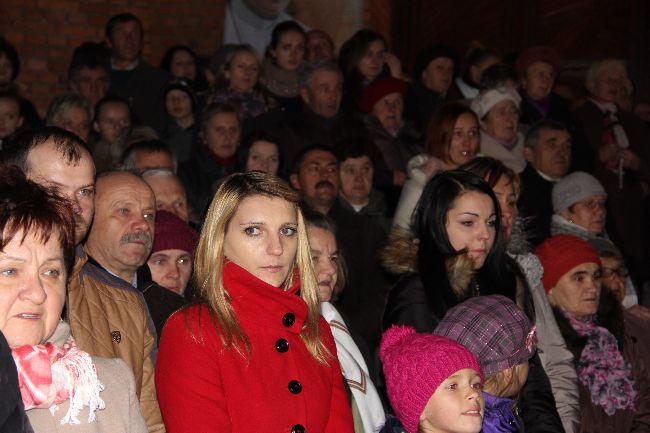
494 329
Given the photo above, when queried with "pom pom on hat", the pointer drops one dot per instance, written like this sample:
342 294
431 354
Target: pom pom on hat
559 254
415 365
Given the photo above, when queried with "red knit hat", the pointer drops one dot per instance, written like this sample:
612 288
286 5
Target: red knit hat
559 254
415 365
172 233
538 53
378 89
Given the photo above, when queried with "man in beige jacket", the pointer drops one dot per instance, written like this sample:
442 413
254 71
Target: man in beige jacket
108 317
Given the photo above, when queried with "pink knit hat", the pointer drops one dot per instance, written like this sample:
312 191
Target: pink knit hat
415 365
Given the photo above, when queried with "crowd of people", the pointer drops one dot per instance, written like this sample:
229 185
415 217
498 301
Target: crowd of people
323 239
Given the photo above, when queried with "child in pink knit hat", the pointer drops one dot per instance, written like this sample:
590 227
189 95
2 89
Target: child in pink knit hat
433 383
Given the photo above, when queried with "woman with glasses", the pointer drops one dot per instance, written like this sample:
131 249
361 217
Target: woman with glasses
579 206
498 111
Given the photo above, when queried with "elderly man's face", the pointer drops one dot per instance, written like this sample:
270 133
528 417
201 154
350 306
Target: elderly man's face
122 234
552 153
324 93
170 195
47 166
318 179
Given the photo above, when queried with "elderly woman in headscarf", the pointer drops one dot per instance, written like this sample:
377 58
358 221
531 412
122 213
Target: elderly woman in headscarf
579 205
63 388
612 372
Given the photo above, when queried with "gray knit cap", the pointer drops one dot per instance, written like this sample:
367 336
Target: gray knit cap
573 188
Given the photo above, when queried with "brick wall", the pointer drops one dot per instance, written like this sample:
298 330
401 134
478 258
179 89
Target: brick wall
45 32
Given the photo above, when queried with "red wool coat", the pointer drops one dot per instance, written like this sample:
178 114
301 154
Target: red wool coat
280 388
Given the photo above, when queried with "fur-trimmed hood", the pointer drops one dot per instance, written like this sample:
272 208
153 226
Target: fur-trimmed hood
400 256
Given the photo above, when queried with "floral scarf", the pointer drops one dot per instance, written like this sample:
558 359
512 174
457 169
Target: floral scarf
49 375
602 369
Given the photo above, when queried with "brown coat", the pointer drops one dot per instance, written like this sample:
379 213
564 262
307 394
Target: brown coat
121 414
109 318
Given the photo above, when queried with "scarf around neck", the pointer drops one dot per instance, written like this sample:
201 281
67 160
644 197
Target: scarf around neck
602 369
355 371
49 374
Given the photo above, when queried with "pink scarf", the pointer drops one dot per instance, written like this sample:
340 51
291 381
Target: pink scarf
602 369
49 375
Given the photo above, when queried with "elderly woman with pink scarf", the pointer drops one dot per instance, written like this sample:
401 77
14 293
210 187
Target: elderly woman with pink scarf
613 376
63 389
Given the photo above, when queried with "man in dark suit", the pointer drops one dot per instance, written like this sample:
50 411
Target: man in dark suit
548 154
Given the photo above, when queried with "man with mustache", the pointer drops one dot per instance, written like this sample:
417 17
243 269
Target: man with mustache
107 316
315 174
121 238
547 150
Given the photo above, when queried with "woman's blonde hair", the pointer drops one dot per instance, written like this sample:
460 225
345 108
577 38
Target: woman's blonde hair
210 259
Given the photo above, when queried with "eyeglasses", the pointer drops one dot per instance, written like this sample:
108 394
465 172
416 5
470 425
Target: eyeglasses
611 272
593 204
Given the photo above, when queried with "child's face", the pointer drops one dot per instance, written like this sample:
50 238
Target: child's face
456 406
10 118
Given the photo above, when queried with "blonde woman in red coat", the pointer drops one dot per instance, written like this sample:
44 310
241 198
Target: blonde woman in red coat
253 355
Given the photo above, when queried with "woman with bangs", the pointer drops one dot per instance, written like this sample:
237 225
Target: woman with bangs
453 138
253 353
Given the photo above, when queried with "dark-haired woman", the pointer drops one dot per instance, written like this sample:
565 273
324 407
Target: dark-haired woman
461 254
364 58
283 63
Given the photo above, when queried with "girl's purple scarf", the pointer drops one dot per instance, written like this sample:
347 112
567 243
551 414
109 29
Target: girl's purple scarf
602 369
499 415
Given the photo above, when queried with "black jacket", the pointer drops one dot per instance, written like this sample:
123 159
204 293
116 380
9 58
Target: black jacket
161 302
200 176
536 205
